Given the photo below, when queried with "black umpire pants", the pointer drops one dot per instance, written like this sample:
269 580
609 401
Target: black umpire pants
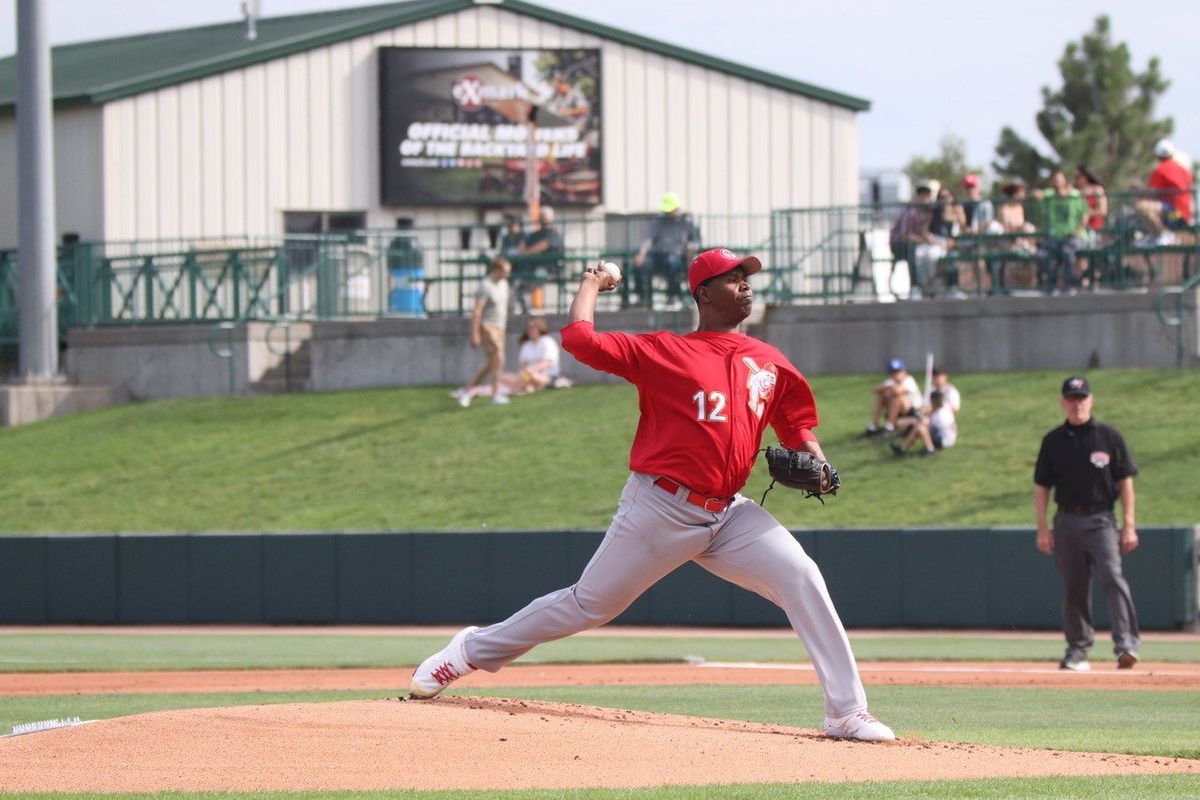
1083 544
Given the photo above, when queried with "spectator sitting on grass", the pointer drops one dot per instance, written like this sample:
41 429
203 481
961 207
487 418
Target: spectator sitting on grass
941 383
937 430
897 397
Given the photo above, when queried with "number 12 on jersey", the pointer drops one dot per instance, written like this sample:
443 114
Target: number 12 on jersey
713 410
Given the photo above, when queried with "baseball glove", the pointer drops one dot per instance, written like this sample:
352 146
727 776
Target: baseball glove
800 469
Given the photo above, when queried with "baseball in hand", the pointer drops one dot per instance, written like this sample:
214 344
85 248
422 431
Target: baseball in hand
612 269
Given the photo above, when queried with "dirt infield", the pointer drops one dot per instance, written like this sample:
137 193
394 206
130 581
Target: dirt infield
492 743
486 743
1148 676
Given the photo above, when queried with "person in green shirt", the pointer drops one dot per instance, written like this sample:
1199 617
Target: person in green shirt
1065 211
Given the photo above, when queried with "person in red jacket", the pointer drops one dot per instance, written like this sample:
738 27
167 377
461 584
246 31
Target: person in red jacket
706 399
1170 206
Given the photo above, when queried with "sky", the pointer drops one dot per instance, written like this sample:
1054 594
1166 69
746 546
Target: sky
966 69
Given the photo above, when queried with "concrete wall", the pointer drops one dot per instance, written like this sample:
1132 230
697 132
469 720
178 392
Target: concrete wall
157 362
414 352
1005 333
1071 333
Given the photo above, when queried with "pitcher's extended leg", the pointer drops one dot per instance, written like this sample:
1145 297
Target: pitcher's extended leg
650 536
754 551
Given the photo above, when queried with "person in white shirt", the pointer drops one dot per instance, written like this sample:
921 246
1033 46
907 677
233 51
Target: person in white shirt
937 431
538 357
941 383
898 396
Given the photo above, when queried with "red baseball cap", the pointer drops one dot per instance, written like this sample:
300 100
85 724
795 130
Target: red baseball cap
718 262
970 180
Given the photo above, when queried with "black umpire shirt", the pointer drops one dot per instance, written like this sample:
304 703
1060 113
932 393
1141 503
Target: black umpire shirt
1083 464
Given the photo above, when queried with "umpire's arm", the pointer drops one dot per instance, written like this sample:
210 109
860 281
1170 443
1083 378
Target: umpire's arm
1041 501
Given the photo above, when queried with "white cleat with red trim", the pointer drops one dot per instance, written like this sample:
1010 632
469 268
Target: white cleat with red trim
442 668
859 725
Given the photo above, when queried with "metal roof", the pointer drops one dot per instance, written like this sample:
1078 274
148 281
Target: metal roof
91 73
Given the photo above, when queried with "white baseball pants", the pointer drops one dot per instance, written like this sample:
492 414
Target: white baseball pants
653 533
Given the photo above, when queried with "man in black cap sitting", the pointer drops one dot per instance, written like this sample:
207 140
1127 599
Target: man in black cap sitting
1089 467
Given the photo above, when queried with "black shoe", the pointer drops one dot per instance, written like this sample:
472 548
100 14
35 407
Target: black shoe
1126 659
897 449
926 453
870 433
1075 664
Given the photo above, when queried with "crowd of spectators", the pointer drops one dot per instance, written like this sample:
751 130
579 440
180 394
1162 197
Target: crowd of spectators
1048 226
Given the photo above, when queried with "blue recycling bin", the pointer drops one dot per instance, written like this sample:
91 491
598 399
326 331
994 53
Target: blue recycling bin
406 270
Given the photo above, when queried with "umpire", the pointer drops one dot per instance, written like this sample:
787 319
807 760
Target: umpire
1088 465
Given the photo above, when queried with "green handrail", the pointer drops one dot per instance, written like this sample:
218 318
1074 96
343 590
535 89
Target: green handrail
1175 320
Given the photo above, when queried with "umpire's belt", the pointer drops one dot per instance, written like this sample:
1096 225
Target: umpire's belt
1085 511
713 505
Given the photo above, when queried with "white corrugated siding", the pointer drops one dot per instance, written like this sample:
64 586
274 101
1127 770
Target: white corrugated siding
226 155
77 175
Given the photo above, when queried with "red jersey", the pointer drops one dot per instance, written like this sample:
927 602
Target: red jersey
705 400
1174 183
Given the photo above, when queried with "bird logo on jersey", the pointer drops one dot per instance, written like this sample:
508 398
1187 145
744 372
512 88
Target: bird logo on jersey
1099 459
760 383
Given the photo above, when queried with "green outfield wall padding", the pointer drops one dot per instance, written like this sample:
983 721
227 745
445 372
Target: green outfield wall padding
309 561
225 578
877 578
1023 589
450 577
374 577
944 578
23 580
152 578
865 575
525 565
81 579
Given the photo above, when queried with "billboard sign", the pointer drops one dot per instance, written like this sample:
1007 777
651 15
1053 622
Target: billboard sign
463 126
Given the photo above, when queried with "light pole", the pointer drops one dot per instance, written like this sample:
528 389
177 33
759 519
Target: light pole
37 300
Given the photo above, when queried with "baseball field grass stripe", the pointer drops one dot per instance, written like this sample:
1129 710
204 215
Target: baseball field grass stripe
1140 723
1126 787
297 462
99 651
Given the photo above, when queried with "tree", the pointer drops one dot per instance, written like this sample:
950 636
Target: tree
948 167
1102 116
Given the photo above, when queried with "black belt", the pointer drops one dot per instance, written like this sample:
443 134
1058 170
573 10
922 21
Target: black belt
1085 511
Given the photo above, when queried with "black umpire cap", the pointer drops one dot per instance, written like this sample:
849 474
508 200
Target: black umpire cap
1076 386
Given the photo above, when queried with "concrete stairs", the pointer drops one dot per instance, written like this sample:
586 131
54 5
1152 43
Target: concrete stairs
291 374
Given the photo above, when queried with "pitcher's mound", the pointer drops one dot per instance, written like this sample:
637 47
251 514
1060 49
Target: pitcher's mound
486 743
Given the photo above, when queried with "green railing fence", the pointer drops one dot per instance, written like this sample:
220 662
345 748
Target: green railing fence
823 255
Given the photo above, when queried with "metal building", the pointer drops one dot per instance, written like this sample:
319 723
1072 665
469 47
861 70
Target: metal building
203 132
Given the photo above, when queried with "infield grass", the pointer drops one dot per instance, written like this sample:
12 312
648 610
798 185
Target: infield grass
1126 787
100 651
411 459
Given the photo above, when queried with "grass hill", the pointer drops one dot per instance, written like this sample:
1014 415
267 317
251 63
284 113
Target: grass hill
411 459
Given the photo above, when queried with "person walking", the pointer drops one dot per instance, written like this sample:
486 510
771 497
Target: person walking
707 399
489 319
1089 467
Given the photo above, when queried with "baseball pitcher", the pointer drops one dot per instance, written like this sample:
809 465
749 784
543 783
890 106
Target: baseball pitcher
706 399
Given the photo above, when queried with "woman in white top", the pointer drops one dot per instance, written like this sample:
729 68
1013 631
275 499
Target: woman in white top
538 357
